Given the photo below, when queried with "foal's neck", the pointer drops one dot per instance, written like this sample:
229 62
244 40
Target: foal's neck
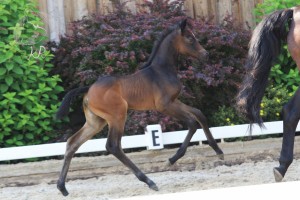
166 56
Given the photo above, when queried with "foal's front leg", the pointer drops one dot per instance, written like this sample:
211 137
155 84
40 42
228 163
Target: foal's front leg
191 116
201 119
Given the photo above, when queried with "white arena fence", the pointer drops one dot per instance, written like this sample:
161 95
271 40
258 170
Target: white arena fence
152 139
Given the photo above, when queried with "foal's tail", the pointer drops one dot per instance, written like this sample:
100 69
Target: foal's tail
65 104
264 48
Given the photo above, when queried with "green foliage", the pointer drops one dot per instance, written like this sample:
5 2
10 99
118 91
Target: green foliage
269 6
271 106
289 79
275 98
226 116
28 94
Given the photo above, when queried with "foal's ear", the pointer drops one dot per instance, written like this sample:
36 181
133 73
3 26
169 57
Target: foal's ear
183 25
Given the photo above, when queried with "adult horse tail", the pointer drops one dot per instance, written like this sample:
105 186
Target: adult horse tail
264 48
63 110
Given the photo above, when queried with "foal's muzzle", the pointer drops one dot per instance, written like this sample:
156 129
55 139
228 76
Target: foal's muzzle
203 55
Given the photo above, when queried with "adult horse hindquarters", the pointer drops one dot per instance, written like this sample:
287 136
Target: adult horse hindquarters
154 87
265 46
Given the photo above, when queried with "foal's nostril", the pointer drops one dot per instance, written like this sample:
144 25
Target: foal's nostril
204 54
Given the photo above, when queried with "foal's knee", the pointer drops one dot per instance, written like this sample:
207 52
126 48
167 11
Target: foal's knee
202 119
192 125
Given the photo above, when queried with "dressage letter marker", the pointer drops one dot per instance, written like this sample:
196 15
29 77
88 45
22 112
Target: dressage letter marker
154 136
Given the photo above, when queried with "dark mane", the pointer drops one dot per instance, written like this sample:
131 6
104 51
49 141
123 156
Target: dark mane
157 45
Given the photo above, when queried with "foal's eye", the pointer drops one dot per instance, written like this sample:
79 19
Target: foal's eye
190 39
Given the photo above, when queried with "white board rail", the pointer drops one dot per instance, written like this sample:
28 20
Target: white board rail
152 139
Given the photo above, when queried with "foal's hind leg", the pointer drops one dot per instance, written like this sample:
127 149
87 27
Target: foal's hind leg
291 116
113 146
191 116
92 126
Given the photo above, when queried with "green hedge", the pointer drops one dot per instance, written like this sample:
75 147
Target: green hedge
28 93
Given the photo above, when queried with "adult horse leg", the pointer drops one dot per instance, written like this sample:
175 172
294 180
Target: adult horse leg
113 146
191 116
92 126
291 111
291 116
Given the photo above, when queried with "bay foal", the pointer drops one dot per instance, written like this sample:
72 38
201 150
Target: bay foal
154 87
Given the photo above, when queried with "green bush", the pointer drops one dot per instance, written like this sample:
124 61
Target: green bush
269 6
271 105
289 79
226 116
28 94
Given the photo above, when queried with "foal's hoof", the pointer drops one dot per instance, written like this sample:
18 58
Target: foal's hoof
221 156
277 175
169 163
171 166
153 186
62 189
172 161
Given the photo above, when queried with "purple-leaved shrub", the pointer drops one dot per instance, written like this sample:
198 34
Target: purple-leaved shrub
120 42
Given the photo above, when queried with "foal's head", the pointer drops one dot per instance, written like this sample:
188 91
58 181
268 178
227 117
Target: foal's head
187 44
